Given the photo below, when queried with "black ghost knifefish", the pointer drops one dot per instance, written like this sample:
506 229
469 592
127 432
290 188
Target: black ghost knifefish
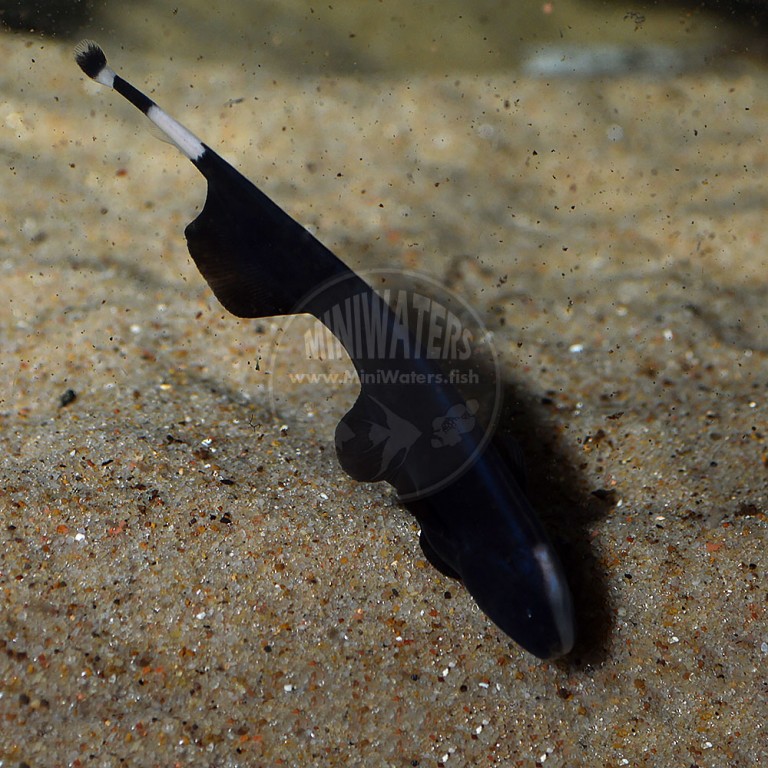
476 522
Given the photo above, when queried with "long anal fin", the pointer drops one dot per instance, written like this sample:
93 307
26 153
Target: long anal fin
435 559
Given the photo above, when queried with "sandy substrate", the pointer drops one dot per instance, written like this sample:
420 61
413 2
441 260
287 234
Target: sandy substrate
188 577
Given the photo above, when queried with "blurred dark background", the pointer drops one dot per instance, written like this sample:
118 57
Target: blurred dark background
397 35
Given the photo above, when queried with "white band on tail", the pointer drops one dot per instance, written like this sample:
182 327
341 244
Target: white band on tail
184 139
106 76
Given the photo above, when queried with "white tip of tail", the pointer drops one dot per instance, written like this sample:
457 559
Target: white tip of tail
91 59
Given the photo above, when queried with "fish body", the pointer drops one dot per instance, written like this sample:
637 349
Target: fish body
410 426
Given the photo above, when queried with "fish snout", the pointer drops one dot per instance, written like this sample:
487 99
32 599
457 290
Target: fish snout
530 601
